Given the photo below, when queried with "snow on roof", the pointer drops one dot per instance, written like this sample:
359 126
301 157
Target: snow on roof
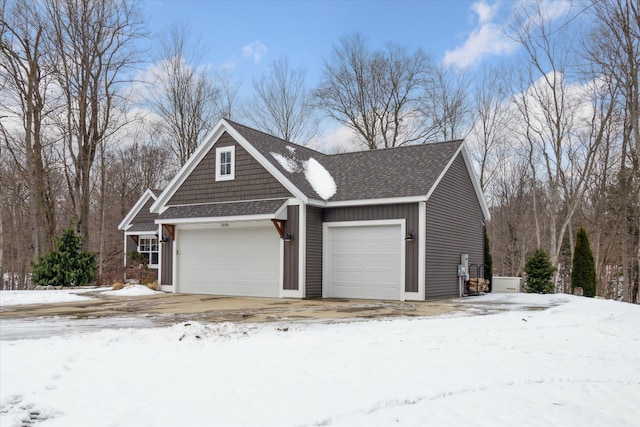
289 164
320 179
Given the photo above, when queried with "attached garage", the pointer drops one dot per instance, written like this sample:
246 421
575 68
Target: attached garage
229 259
364 260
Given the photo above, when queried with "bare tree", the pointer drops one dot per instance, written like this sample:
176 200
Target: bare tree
93 42
550 106
23 69
375 93
445 106
187 101
615 51
489 135
282 104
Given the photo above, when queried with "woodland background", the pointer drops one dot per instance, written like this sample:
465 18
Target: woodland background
84 129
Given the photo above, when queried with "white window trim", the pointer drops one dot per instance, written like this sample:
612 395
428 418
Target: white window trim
151 237
231 149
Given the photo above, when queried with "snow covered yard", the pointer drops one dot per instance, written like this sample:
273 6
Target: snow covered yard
574 363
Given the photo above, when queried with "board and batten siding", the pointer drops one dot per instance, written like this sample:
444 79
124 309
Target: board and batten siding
144 215
313 277
167 262
131 244
291 249
454 227
409 212
252 181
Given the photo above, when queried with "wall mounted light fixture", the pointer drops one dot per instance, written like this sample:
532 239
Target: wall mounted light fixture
409 237
287 237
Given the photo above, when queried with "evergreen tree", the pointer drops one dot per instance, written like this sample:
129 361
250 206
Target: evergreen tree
488 260
539 273
583 273
67 264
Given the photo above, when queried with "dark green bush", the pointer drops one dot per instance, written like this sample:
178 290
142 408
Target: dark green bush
66 265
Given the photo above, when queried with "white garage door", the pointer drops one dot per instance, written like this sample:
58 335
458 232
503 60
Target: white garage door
363 262
229 261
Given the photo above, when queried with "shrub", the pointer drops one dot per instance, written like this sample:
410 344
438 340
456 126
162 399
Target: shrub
488 260
117 286
153 285
539 273
583 272
66 265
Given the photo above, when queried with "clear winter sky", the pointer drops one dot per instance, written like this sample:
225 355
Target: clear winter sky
244 37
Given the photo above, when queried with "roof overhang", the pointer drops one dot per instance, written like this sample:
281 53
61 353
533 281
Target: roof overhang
256 210
126 222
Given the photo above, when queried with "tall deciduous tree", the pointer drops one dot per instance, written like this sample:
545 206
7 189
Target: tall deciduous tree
282 104
26 76
375 93
93 42
185 98
615 51
550 107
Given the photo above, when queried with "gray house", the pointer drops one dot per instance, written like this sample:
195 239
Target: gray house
253 215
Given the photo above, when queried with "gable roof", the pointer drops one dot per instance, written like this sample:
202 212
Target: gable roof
408 173
126 225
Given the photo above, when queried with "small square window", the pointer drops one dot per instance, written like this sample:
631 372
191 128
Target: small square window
148 247
225 163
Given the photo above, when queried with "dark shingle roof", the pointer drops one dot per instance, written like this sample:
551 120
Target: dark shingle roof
213 210
393 172
143 227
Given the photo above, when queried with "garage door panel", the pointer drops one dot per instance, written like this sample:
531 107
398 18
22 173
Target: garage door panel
364 261
233 261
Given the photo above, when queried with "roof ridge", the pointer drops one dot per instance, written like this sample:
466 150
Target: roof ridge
284 141
377 150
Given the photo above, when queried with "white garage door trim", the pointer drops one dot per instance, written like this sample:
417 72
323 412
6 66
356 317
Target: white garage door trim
326 269
228 229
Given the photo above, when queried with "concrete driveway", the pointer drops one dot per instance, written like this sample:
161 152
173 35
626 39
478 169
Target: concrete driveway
171 308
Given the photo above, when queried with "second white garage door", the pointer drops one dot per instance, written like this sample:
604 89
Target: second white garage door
242 261
363 262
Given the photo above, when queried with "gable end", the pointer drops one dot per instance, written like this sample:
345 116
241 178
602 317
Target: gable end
252 181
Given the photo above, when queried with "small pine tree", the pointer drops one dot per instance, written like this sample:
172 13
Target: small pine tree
488 260
539 273
583 272
66 265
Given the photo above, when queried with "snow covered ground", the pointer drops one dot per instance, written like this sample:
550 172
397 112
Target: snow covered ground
553 359
43 297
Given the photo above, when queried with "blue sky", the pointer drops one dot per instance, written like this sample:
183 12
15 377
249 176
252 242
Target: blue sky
244 37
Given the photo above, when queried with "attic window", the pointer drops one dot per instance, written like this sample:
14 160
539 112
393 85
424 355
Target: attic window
225 163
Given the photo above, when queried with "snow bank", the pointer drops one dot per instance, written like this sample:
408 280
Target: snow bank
132 290
556 360
42 297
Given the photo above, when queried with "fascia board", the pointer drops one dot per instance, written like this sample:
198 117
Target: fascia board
475 181
237 218
188 167
136 208
367 202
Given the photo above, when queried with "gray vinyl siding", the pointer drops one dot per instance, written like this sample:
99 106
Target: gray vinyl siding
409 212
144 215
313 280
291 249
167 262
454 227
252 181
131 244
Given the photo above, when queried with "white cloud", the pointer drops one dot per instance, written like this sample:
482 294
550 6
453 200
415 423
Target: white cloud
484 11
339 140
487 38
255 51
